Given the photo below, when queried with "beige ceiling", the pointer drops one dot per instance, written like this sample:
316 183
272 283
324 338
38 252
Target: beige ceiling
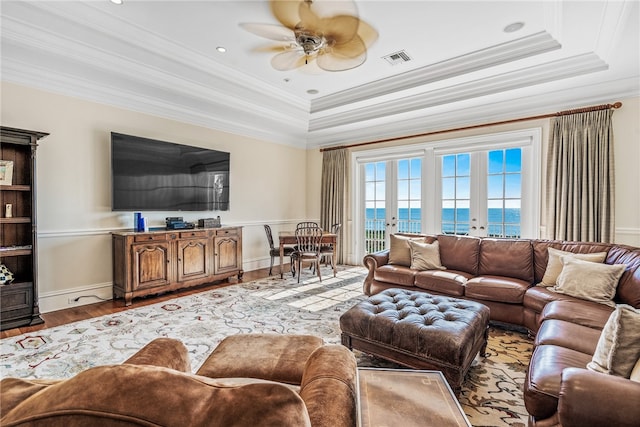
160 57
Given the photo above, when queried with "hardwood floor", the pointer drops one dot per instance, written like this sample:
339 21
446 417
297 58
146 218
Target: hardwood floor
61 317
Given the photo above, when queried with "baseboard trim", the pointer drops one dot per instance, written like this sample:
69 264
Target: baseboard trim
59 300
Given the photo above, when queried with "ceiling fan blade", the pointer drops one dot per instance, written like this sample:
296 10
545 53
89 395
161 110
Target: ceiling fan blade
351 49
289 60
270 31
367 33
287 12
308 19
339 29
271 48
332 61
329 8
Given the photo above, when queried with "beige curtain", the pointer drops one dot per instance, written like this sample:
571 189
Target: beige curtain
580 177
333 194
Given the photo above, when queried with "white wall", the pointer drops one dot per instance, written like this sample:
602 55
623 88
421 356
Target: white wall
270 183
267 185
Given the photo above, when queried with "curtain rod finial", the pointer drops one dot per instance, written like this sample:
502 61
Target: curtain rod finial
617 105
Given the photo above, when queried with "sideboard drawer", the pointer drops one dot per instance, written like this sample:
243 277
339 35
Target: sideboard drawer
150 237
227 232
187 234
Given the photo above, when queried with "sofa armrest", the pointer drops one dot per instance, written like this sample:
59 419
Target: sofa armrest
165 352
590 398
329 387
373 261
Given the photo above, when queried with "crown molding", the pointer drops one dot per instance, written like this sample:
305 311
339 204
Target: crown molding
538 74
524 47
488 112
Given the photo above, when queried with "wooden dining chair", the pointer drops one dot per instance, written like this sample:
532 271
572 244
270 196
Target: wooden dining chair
326 250
275 251
308 248
305 224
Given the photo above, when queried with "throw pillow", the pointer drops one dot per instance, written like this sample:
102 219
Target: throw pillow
399 251
554 265
589 280
425 256
6 276
618 348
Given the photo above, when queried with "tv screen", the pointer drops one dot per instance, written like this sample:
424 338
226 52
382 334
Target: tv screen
151 175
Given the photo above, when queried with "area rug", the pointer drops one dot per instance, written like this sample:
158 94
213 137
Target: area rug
491 394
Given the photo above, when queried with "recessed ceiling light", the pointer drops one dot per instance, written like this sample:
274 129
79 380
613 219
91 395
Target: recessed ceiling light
312 91
221 49
116 1
512 28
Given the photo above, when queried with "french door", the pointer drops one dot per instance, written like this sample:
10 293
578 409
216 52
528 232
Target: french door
392 200
480 186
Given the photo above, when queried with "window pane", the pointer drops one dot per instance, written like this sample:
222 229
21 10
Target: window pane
463 167
380 170
448 188
496 161
380 190
462 188
416 168
403 190
369 191
416 190
495 187
369 172
403 169
513 160
448 166
512 186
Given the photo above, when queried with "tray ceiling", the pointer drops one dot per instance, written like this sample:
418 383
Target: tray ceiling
160 57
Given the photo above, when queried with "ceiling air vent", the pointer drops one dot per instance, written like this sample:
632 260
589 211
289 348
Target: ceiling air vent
397 57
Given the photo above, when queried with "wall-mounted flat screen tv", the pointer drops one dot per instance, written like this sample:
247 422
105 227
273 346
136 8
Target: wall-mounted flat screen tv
152 175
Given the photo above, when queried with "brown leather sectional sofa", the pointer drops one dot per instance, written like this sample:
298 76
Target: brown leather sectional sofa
502 274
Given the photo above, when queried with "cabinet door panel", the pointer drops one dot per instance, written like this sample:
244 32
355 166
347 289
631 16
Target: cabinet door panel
151 265
192 259
227 254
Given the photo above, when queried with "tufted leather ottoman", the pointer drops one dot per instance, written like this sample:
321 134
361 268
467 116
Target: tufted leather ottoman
419 330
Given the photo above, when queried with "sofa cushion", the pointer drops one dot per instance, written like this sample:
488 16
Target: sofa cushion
581 312
425 256
589 280
618 348
537 297
148 395
272 357
496 288
396 274
567 334
506 257
554 265
459 253
399 251
448 282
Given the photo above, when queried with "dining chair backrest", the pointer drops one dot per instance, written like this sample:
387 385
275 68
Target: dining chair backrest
267 230
305 224
309 240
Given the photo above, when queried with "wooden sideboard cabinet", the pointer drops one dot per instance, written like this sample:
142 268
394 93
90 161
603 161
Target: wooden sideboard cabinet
154 262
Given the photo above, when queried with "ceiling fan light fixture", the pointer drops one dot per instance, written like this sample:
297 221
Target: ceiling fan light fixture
328 32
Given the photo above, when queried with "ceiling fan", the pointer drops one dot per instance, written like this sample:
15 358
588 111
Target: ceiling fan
327 31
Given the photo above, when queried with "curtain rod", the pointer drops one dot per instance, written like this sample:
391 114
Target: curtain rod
522 119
